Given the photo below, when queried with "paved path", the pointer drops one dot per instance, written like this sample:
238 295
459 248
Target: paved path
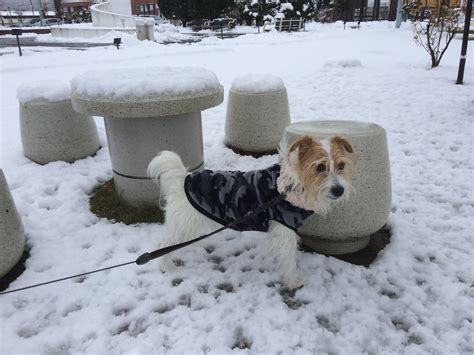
9 42
30 42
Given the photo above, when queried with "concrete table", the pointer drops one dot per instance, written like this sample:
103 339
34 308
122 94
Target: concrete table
148 110
347 228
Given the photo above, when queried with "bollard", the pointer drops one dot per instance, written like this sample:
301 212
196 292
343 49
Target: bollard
150 29
141 29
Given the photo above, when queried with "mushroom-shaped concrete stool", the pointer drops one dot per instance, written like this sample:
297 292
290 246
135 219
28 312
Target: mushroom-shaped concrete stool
347 228
257 114
50 129
12 236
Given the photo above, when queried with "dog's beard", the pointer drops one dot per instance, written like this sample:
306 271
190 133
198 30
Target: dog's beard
288 184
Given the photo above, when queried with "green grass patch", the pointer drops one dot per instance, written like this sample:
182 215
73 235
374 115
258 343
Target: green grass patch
105 203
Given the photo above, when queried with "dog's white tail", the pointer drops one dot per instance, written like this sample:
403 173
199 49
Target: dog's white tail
168 171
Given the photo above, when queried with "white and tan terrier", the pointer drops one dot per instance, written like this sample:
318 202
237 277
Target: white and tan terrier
312 175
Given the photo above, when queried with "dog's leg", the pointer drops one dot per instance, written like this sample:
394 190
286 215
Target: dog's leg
168 171
284 247
185 223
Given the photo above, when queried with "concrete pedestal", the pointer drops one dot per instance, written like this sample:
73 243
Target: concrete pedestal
141 29
145 28
347 228
133 143
52 131
256 115
139 127
12 235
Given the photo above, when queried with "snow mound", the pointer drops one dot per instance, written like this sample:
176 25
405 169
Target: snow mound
345 63
50 90
136 82
144 21
286 6
166 27
257 83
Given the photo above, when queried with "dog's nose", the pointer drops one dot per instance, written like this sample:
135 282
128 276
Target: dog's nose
337 190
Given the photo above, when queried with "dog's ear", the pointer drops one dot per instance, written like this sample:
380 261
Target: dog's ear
301 143
299 147
343 143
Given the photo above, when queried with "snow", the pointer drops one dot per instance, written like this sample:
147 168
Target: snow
142 21
135 82
48 90
257 83
286 6
345 63
416 298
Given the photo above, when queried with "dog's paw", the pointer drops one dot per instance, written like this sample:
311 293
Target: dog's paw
167 266
295 283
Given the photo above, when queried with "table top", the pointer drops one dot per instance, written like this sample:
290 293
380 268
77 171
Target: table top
145 92
333 127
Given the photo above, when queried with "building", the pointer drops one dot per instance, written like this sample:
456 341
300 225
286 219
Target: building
127 7
144 7
72 6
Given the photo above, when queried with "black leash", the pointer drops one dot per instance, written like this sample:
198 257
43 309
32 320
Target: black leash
146 257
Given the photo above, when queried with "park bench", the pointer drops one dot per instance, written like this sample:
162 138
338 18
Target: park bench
226 23
289 25
198 25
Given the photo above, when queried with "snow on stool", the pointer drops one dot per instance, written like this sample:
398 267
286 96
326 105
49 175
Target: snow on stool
145 112
347 228
257 114
50 129
12 235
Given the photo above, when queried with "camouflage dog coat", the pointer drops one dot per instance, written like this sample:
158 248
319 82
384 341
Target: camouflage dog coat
226 196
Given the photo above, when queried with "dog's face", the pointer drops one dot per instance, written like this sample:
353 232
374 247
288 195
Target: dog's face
324 169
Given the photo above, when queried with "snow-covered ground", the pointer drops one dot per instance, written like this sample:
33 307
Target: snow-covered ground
417 297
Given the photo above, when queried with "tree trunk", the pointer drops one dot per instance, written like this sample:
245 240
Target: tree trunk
58 8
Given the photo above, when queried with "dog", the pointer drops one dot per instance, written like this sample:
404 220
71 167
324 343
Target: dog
312 175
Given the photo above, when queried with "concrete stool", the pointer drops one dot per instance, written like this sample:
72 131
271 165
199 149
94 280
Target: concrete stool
50 129
257 114
145 28
347 228
145 112
12 235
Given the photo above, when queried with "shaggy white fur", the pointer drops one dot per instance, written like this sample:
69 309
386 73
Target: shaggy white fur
169 172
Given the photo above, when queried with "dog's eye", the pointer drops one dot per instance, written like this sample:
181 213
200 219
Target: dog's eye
320 168
341 166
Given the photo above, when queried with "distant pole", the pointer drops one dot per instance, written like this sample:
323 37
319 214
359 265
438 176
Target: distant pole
398 20
19 46
40 8
361 13
465 40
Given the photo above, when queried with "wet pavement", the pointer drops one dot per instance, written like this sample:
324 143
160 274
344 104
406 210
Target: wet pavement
10 42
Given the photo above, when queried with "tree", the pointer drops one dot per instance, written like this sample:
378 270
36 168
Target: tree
174 9
58 8
186 10
326 10
436 32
